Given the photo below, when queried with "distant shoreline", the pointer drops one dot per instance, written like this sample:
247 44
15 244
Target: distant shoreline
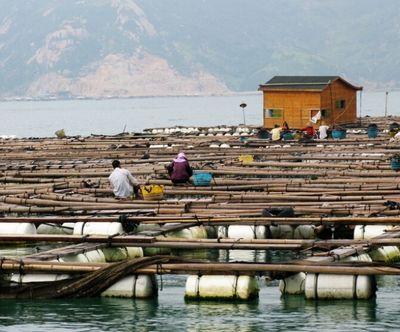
229 94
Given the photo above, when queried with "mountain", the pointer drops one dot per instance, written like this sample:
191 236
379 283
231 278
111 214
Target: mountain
100 48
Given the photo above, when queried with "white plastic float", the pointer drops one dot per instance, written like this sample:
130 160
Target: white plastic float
293 285
92 256
196 232
387 254
358 258
117 254
306 232
140 286
281 232
37 277
333 286
17 228
368 232
242 232
55 229
98 228
112 254
221 287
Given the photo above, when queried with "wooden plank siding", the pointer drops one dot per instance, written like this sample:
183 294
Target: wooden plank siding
340 91
299 106
296 106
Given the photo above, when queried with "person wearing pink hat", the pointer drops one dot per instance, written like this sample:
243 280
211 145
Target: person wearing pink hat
179 169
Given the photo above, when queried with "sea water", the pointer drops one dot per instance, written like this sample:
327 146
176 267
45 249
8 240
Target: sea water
112 116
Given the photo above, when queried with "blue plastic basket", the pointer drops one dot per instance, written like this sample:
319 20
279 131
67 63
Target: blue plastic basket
395 163
338 133
372 132
202 179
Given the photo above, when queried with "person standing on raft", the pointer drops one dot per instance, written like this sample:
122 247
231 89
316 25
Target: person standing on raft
123 184
179 169
323 130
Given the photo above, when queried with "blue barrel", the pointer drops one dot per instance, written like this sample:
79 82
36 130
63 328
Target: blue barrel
338 133
263 134
202 179
372 132
395 163
287 136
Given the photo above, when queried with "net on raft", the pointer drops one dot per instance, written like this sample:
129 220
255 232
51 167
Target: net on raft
86 285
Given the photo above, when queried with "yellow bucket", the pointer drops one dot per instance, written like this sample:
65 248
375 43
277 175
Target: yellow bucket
152 192
246 158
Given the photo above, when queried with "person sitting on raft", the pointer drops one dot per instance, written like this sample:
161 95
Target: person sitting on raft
308 131
276 133
179 169
123 184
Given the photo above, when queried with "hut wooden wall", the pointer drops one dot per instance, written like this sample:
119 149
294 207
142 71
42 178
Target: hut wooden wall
340 91
296 107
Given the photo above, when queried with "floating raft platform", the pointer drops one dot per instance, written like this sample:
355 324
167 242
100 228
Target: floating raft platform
331 206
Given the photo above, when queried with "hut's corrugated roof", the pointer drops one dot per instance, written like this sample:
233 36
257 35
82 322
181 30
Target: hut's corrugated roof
317 83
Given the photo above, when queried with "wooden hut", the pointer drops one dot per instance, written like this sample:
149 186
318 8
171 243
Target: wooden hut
299 100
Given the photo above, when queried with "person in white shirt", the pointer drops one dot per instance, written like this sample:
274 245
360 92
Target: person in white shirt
122 182
276 133
323 130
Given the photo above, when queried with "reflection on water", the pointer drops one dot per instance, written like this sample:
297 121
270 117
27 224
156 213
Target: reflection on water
170 312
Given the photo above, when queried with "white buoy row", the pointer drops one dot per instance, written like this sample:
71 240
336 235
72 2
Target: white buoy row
264 232
211 131
312 286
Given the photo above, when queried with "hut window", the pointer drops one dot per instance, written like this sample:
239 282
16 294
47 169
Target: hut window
274 113
325 114
341 103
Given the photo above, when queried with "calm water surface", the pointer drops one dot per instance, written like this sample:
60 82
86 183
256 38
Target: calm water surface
170 312
83 117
